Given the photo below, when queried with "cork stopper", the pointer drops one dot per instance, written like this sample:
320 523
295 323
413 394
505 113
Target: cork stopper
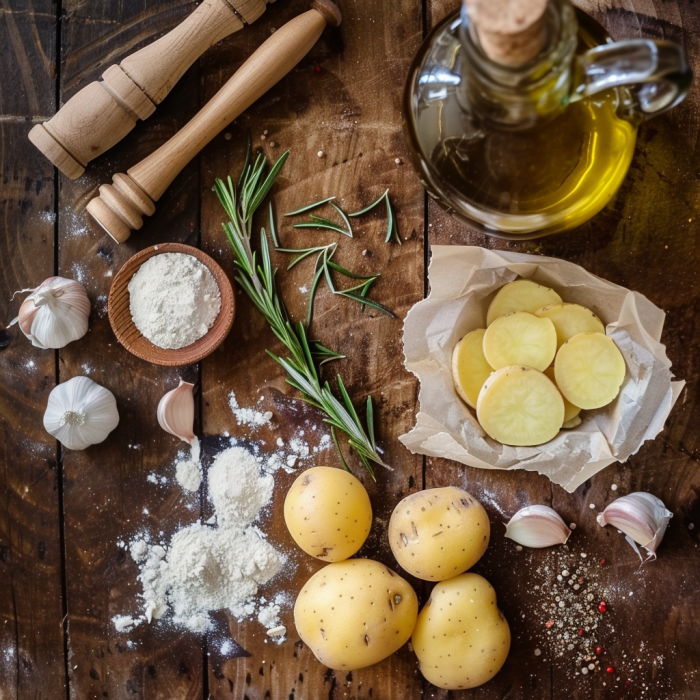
511 32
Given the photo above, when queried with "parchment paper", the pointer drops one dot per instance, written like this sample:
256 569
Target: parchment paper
463 280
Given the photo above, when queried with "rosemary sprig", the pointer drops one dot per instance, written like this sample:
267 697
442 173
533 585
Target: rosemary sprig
258 281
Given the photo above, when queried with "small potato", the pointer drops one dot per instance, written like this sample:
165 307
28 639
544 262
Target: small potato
570 411
520 338
461 637
469 367
520 406
355 613
589 370
570 320
328 513
521 295
438 533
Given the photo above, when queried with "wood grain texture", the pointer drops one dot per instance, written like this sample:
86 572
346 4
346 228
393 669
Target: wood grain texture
107 498
349 109
32 659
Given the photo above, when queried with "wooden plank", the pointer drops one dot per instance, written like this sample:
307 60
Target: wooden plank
643 240
348 108
108 498
32 658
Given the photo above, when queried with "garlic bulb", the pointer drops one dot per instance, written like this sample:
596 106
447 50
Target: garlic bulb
642 517
55 313
80 413
176 412
537 526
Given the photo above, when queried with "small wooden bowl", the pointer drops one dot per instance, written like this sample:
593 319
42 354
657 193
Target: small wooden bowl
132 339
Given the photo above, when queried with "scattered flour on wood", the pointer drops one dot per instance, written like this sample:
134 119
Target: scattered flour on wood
206 568
248 416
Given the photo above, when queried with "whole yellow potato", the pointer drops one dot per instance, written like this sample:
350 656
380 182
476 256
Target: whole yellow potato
355 613
328 513
438 533
461 637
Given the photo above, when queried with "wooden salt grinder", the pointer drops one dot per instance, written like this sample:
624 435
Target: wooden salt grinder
105 111
121 205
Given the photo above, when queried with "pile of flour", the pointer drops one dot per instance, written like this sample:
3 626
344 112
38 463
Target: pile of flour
210 567
174 300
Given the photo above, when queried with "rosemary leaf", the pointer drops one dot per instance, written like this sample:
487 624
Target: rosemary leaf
331 226
370 207
309 207
345 219
348 273
273 231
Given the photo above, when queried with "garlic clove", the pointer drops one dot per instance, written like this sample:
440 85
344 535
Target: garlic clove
80 413
642 517
537 527
176 412
55 313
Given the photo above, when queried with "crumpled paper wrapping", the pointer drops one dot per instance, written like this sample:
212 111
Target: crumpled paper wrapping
463 280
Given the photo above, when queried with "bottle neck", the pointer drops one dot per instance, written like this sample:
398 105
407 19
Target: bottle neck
521 96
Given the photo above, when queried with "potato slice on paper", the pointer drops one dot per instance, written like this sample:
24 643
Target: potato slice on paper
520 338
570 320
589 370
570 411
520 406
469 367
521 295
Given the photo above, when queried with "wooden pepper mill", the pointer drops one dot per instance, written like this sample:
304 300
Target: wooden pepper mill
121 205
105 111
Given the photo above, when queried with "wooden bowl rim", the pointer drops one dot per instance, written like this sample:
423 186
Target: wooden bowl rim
136 343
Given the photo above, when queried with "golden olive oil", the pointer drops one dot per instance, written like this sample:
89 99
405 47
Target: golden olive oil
527 182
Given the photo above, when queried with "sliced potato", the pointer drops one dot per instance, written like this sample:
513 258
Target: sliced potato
573 423
520 338
570 411
570 320
469 367
589 370
521 295
520 406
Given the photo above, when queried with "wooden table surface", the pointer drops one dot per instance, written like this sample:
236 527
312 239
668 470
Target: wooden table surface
63 575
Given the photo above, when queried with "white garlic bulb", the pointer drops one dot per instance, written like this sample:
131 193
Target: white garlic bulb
80 413
55 313
537 527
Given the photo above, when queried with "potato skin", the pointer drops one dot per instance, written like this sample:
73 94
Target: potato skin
355 613
461 638
328 513
438 533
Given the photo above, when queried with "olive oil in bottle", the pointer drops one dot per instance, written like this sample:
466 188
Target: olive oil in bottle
521 151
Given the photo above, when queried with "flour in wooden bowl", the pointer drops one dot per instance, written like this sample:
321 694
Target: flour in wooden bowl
174 300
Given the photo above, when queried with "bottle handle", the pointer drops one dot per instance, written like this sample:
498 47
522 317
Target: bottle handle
655 73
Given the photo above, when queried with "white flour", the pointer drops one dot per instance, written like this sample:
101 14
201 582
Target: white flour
211 568
220 564
248 416
174 299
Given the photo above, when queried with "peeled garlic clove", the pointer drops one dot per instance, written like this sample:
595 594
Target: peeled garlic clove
55 313
176 412
642 517
537 527
80 413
